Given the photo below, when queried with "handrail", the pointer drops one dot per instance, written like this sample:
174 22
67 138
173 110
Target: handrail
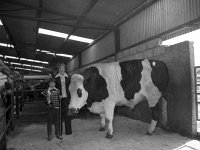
5 123
4 113
27 91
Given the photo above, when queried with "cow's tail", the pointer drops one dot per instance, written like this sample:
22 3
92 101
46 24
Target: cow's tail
163 112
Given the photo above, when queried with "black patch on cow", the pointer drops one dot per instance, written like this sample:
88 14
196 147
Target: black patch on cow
159 75
131 76
95 85
79 92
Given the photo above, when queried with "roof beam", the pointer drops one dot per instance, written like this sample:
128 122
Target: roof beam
9 35
38 15
84 14
57 13
52 22
136 11
14 9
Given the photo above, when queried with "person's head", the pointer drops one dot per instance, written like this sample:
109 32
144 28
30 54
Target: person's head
61 68
52 83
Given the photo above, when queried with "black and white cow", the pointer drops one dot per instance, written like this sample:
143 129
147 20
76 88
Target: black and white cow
103 86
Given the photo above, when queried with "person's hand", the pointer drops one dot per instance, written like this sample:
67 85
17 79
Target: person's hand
3 80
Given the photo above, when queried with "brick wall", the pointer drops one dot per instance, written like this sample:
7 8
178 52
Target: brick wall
179 95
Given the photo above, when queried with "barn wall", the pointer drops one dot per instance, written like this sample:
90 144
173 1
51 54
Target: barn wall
73 64
180 100
162 16
101 49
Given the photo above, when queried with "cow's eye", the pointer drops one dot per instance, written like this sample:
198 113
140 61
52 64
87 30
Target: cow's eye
79 92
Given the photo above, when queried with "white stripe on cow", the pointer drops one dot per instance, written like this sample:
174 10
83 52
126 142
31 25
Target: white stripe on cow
148 89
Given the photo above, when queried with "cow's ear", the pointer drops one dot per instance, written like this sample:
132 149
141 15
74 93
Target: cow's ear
89 82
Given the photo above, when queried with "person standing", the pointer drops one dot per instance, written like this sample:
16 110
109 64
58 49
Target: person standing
53 116
62 83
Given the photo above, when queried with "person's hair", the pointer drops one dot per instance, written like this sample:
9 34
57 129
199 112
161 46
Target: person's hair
51 80
60 65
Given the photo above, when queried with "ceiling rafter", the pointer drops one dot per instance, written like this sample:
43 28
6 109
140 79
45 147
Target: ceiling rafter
52 22
57 13
38 15
15 9
83 15
9 35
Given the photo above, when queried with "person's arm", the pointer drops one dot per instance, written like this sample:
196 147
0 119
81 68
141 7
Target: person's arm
67 87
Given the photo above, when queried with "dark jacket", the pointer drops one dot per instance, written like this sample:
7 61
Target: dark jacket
59 86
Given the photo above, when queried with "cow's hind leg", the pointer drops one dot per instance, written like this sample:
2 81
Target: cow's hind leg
154 119
109 114
103 122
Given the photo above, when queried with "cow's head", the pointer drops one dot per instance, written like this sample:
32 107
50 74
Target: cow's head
86 88
78 93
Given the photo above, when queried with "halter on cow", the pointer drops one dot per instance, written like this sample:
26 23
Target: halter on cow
104 86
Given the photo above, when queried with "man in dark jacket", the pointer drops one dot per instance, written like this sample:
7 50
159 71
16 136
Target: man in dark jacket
62 83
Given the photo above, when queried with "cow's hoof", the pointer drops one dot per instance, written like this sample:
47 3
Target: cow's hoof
102 129
165 127
148 133
109 136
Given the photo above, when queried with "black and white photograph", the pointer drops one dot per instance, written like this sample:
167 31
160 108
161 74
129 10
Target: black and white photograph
99 74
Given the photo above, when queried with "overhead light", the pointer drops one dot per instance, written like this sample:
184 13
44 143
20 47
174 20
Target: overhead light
27 65
64 55
37 50
45 51
64 35
19 68
27 69
1 23
23 59
52 33
37 66
14 63
80 39
44 62
32 60
36 70
6 62
1 55
11 57
6 45
51 53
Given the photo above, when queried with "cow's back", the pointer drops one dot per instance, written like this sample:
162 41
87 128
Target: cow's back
125 79
147 77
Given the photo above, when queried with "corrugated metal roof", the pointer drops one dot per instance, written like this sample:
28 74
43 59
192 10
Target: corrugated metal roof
85 18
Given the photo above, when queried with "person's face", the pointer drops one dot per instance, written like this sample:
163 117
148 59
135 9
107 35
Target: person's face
62 69
52 84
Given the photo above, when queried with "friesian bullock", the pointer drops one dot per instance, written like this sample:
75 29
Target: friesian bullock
103 86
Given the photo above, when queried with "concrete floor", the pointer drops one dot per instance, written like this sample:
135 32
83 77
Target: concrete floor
30 134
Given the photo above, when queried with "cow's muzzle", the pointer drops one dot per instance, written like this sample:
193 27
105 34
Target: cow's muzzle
73 111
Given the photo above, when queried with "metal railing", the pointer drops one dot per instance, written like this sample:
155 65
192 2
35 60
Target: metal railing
7 121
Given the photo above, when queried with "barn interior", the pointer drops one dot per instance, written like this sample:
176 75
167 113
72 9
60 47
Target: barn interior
37 35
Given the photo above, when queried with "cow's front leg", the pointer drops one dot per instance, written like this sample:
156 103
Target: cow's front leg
103 122
109 112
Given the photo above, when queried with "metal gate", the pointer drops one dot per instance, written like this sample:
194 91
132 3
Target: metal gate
197 95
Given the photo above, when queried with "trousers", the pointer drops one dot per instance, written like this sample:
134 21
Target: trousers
65 117
52 119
